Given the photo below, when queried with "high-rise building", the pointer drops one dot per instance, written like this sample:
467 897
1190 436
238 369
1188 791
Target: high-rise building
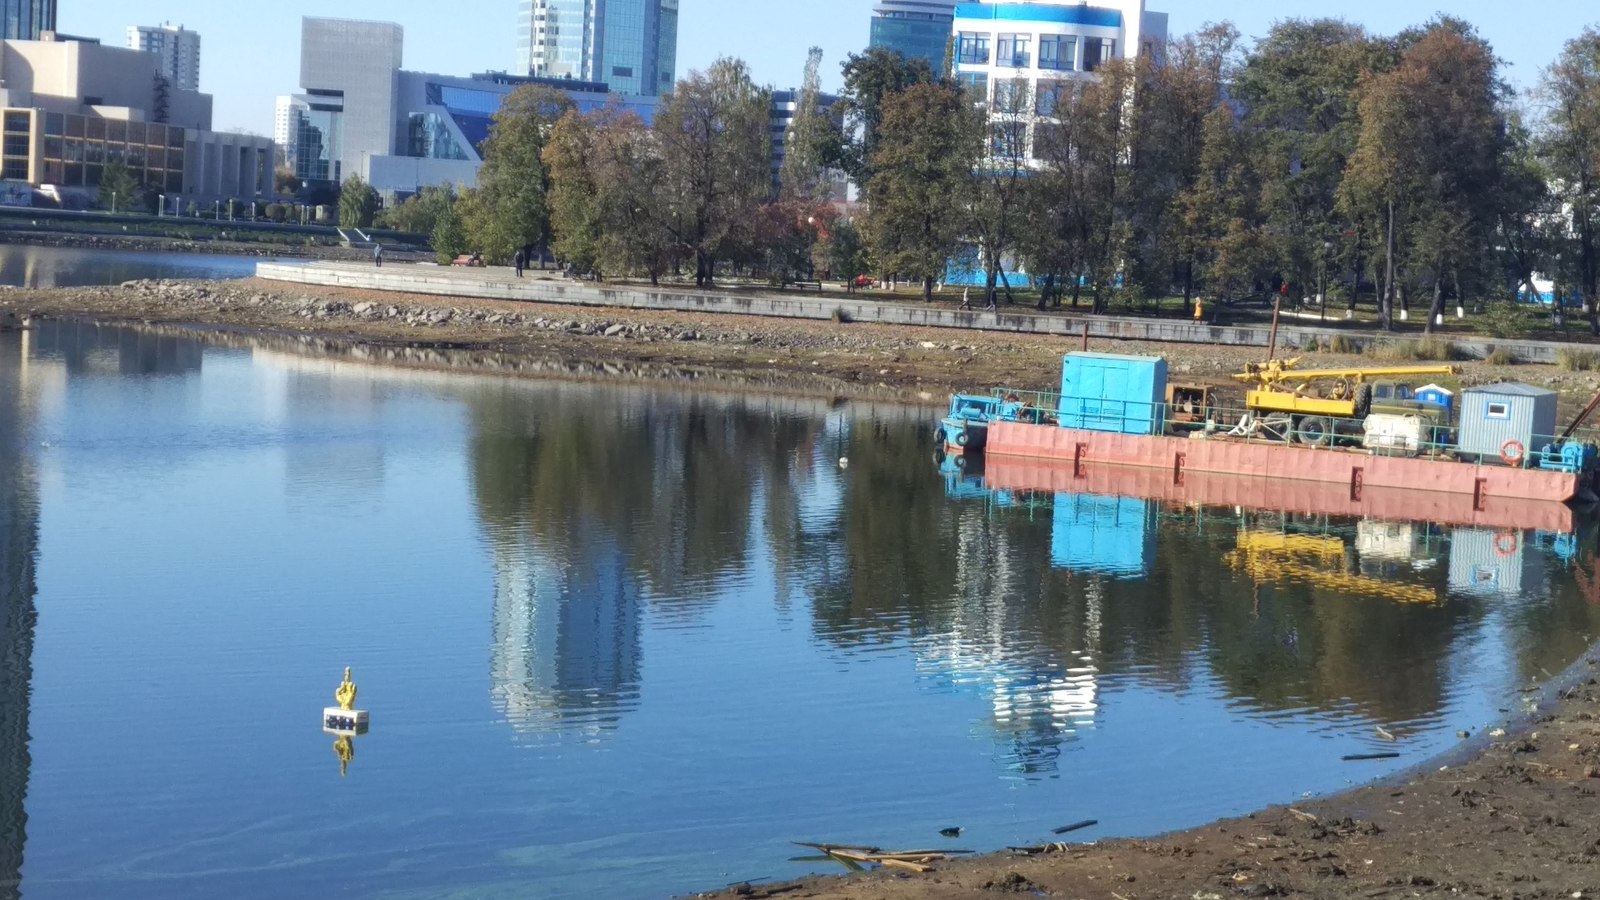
26 20
349 72
917 29
631 46
177 47
286 127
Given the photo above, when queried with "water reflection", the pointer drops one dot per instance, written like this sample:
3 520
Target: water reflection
613 578
53 267
19 539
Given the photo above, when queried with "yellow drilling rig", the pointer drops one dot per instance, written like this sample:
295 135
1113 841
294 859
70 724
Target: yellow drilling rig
1286 402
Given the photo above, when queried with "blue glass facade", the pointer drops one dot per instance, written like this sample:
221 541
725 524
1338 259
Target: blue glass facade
630 45
25 19
917 29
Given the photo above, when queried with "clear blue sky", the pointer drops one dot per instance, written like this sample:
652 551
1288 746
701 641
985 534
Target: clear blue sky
251 52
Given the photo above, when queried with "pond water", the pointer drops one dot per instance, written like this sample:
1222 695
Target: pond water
625 641
53 267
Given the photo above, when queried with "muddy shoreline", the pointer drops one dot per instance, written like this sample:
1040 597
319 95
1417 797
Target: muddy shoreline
1508 815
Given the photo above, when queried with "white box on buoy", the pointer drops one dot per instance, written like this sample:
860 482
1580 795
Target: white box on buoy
337 720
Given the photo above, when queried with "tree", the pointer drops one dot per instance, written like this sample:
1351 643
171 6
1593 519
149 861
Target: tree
929 143
575 202
1226 246
358 203
1299 88
285 182
716 148
510 208
813 144
842 253
1570 147
119 189
1426 167
869 79
449 237
1002 176
418 213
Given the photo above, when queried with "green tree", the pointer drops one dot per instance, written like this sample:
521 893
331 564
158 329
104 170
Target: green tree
418 213
1226 247
576 205
358 203
813 144
1426 167
870 79
510 208
1001 179
449 235
119 189
1298 87
842 252
715 142
929 144
1570 147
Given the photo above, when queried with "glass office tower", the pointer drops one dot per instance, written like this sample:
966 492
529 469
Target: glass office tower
629 45
25 19
916 28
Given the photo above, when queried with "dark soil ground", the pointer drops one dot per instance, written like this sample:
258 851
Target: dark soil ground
1515 815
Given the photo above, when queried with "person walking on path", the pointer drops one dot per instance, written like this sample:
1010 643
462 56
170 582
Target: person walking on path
377 255
1199 310
518 261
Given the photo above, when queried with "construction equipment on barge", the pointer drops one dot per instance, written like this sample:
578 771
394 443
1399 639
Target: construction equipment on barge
1498 442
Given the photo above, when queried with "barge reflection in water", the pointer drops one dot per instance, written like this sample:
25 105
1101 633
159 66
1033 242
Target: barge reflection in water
596 618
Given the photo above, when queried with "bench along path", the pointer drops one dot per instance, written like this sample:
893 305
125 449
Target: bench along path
501 284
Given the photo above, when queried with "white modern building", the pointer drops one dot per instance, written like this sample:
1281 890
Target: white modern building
1016 55
284 126
176 47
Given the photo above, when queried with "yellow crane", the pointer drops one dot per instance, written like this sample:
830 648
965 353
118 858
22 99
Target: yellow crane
1269 556
1305 403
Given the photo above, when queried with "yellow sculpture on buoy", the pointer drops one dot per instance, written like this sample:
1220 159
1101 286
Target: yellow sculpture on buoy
345 749
345 693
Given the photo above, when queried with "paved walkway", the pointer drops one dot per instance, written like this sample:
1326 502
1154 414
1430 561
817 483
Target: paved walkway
547 287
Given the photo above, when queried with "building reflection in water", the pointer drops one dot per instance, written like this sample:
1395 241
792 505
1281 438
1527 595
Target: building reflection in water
564 657
19 540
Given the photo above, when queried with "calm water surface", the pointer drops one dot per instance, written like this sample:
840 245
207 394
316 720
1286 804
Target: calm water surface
628 642
52 267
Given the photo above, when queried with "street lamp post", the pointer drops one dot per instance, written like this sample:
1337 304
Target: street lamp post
1322 291
113 202
161 207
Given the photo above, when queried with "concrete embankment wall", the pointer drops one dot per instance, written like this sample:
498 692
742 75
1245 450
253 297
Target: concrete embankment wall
497 285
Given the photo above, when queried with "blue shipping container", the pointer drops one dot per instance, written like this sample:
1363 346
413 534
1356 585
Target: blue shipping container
1112 392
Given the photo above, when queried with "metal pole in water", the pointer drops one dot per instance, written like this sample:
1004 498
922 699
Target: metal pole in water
1086 335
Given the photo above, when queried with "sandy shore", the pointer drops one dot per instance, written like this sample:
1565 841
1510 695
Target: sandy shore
1514 815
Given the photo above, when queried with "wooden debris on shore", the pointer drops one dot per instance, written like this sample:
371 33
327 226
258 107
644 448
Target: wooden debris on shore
1075 826
857 858
1052 847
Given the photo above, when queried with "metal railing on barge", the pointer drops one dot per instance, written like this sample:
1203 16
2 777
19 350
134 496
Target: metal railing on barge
1240 424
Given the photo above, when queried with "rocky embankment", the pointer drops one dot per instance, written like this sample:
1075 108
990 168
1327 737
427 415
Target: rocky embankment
825 358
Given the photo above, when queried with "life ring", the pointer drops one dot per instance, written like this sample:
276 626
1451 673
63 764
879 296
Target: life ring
1512 453
1505 543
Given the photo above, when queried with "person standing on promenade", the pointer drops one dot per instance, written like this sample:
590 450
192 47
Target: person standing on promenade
377 255
518 261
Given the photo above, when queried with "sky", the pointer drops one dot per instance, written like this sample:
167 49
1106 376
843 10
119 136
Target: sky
251 53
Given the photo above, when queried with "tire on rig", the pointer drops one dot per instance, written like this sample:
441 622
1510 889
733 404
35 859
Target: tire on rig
1363 400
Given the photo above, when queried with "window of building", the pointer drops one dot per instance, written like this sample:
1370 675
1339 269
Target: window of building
94 129
622 71
18 145
117 131
54 123
1050 93
1011 96
1498 411
16 170
136 133
1058 52
75 126
1097 51
976 85
1012 50
972 48
19 121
